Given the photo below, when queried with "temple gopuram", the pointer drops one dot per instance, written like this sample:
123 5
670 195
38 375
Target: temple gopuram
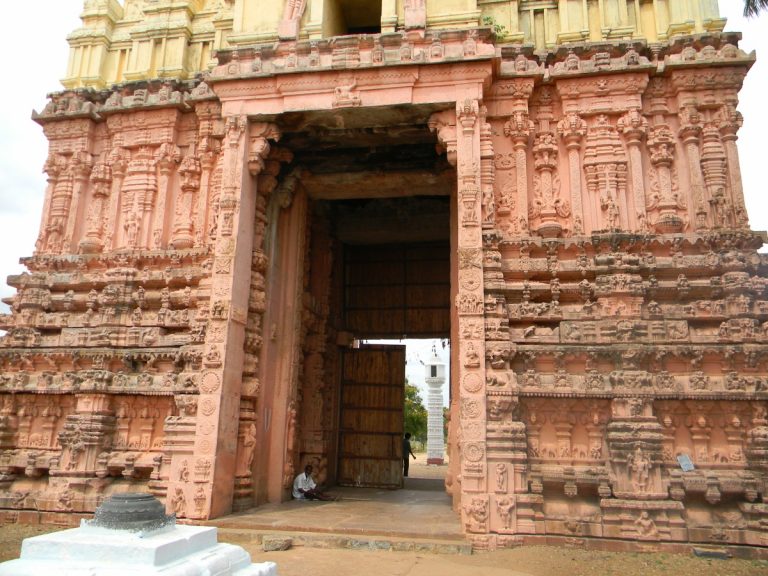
240 192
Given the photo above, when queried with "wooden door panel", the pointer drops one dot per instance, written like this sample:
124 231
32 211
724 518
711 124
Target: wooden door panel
371 419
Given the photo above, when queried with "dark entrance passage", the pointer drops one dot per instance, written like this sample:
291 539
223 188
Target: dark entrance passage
380 205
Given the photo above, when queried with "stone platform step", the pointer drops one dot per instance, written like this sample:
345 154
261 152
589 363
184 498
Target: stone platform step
249 536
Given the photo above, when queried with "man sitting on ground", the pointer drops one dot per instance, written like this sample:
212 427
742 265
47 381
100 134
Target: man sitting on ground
304 487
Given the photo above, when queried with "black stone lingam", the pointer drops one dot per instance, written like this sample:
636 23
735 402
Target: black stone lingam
133 512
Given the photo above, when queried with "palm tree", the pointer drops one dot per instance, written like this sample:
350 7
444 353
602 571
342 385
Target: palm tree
753 7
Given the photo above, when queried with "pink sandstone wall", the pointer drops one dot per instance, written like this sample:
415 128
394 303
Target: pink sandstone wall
610 304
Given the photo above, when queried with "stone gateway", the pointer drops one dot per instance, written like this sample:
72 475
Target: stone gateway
238 192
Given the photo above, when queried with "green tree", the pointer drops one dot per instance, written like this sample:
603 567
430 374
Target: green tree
753 7
415 414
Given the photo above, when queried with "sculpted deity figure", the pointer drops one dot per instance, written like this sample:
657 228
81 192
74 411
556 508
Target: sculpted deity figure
645 526
501 476
131 227
178 502
477 515
249 446
505 506
639 466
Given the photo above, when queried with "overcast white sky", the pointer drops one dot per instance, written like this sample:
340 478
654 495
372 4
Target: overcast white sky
34 48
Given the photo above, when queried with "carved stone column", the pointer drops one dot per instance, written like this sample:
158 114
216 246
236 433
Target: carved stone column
80 169
571 129
167 156
730 122
665 199
690 131
216 435
137 196
183 228
633 127
443 125
53 168
208 114
101 182
469 302
119 165
713 165
519 128
487 172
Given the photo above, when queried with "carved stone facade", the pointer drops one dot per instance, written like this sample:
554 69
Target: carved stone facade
179 327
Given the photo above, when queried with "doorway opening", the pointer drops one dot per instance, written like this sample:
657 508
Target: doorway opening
380 203
425 406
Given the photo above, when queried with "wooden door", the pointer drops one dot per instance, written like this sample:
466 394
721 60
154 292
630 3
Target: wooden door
371 427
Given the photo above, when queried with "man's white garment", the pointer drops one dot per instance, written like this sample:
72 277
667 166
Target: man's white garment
303 482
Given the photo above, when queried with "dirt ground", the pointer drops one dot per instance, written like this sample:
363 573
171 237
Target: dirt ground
524 561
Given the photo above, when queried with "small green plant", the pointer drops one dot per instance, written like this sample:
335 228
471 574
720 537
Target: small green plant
499 30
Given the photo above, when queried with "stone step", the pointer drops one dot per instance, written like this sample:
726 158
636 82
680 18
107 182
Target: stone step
250 536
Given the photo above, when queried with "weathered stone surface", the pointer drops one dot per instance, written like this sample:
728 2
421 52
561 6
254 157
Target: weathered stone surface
271 543
184 319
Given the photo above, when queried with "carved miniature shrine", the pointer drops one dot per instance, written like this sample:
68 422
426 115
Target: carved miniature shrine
235 195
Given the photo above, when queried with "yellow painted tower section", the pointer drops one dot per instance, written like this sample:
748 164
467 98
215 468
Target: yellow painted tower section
176 39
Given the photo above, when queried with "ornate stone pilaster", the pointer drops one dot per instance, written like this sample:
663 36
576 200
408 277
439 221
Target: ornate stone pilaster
605 166
216 434
119 166
487 175
208 115
183 227
665 198
80 165
470 306
167 157
713 165
138 194
572 129
53 167
730 122
689 133
101 182
547 207
519 128
633 126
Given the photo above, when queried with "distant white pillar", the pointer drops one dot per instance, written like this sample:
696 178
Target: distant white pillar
435 378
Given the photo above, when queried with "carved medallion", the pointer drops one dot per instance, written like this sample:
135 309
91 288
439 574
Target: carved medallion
474 452
210 382
470 281
470 408
208 406
472 382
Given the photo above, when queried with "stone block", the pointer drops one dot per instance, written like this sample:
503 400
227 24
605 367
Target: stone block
276 543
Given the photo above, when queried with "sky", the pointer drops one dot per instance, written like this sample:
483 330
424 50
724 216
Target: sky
35 51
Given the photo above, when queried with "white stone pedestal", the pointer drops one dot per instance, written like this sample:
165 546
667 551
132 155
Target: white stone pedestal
172 551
